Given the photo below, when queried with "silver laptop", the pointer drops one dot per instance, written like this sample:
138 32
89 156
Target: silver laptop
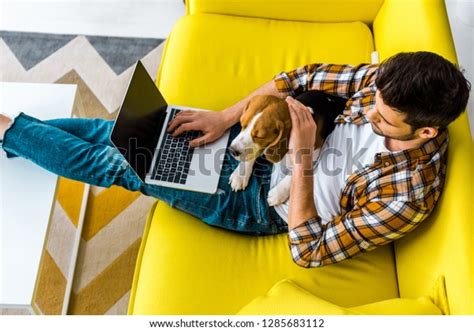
139 133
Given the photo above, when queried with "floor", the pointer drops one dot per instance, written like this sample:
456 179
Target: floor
155 18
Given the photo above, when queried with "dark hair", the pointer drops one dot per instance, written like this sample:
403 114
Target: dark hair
429 89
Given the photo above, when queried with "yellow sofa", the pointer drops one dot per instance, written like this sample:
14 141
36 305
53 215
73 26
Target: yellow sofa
216 55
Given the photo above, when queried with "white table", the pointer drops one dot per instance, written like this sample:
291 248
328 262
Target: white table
27 195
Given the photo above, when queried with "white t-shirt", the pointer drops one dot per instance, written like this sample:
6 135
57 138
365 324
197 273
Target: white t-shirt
348 148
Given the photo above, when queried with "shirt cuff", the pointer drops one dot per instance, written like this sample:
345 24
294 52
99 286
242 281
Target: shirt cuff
310 230
283 84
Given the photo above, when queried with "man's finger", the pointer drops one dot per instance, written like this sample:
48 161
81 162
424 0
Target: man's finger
177 121
306 113
186 112
296 116
199 141
182 117
183 128
302 111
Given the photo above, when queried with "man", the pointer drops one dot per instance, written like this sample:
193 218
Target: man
394 128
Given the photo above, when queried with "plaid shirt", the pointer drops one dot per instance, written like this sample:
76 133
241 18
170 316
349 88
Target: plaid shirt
379 203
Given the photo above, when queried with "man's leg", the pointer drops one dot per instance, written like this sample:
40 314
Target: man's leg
67 155
79 149
93 130
242 211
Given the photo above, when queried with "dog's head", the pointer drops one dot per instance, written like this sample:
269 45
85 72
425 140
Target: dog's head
266 128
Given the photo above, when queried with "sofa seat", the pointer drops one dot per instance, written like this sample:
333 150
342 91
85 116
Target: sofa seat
213 61
171 277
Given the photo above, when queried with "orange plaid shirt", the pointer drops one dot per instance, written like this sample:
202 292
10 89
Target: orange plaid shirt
381 202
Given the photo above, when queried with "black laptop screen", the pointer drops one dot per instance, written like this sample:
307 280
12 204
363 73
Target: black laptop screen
140 121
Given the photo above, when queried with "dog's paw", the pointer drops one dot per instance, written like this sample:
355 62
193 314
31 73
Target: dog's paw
238 181
277 196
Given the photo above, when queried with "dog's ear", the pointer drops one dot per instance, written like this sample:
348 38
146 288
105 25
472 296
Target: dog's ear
279 147
243 111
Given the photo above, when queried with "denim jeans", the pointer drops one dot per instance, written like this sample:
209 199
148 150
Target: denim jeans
80 149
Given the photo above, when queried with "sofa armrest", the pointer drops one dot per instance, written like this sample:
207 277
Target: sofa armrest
413 25
294 10
443 243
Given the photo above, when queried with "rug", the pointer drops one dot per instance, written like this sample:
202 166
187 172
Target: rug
115 218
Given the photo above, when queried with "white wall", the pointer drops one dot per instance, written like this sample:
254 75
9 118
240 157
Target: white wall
461 18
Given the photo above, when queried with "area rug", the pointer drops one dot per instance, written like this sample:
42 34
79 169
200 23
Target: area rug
114 218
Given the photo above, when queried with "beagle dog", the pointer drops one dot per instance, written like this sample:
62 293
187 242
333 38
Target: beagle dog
266 128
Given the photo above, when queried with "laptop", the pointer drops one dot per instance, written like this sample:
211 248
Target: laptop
139 133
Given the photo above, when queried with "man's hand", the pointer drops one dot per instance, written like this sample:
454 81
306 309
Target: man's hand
212 124
303 132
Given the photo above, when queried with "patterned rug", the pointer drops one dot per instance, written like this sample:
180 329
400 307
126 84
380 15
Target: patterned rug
114 218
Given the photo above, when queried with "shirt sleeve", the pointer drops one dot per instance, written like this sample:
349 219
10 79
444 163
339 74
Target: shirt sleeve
335 79
375 224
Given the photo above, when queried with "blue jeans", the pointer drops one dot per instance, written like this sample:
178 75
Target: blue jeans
80 149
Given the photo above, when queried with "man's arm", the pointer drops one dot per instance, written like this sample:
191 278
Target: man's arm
303 131
301 203
362 229
233 113
337 79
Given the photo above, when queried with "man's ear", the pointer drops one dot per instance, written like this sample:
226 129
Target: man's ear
427 132
278 147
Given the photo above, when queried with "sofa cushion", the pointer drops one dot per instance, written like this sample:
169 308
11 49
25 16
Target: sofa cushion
287 298
213 61
188 267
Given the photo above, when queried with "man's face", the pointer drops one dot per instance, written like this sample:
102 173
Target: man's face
388 122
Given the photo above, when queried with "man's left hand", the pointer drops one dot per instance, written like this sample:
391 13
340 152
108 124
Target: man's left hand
303 131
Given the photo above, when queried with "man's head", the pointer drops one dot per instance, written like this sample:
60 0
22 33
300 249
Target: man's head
417 94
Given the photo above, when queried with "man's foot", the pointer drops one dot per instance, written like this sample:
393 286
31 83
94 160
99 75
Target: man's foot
4 125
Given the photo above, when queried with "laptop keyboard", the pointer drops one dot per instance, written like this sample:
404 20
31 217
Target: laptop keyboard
174 156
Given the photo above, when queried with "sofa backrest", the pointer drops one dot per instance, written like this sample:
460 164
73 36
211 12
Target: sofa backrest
442 245
294 10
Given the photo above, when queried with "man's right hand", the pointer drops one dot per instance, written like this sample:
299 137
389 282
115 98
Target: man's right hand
212 124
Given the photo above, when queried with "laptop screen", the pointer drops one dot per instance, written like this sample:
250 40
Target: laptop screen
139 122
